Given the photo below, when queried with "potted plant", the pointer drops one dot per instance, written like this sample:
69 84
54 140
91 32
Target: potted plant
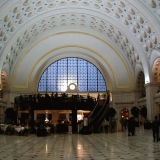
122 121
147 123
135 112
112 124
112 120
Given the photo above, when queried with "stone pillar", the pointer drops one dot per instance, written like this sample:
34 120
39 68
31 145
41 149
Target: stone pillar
35 116
31 118
67 116
74 120
151 90
46 115
55 116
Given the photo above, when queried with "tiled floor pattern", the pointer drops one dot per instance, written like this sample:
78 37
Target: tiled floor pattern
102 146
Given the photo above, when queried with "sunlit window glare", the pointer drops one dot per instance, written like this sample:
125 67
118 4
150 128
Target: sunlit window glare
60 74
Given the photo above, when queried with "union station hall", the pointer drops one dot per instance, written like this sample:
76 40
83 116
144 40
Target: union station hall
74 74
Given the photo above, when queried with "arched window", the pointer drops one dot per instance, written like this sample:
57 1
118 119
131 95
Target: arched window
60 74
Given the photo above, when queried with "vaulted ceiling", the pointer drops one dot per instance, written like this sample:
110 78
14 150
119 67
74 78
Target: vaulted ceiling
118 36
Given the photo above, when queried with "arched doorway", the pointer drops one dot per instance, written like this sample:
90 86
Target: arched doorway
125 114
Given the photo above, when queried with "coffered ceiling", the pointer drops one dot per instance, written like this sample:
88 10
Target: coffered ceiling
129 27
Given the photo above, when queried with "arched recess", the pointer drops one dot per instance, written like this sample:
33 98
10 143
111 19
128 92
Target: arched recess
140 84
96 51
4 86
140 81
154 65
156 70
72 71
47 61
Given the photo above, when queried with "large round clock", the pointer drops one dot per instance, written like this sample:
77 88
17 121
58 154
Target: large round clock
72 86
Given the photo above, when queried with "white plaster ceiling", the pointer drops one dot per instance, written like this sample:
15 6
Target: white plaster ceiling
131 27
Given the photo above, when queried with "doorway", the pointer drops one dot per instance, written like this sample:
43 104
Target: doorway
125 114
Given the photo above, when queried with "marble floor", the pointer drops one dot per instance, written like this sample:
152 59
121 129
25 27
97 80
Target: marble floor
102 146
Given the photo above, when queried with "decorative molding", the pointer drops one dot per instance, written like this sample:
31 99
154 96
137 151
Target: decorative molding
67 46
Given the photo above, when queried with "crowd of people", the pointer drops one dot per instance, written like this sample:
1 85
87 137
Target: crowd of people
155 128
130 125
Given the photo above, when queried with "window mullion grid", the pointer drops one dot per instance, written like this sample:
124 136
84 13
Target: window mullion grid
58 64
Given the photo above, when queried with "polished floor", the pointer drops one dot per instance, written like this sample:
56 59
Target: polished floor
111 146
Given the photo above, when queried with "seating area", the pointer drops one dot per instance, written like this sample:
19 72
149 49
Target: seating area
21 130
10 129
39 130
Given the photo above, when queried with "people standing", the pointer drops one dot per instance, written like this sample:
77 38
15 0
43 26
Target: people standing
122 120
126 123
131 126
155 129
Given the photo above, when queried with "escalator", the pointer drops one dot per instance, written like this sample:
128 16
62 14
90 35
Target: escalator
97 116
93 112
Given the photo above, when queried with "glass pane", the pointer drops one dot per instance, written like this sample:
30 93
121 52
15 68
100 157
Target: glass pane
62 85
92 88
65 71
101 89
92 82
72 81
82 88
82 82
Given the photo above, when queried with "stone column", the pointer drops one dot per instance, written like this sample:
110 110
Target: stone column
151 90
35 116
46 115
74 120
55 116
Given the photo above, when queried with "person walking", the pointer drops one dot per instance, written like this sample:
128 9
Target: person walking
155 129
126 123
131 126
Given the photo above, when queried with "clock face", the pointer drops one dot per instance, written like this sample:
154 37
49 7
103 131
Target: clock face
72 87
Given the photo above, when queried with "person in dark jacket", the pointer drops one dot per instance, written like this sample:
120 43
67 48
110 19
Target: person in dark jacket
131 126
155 129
